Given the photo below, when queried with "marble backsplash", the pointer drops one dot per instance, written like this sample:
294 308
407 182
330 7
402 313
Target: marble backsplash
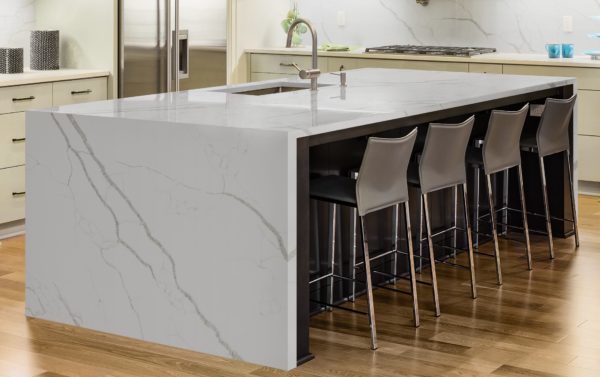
509 25
17 18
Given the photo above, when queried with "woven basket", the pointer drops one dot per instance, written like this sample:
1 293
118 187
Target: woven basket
14 60
44 50
2 60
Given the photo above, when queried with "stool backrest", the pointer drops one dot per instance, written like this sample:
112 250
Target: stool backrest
382 180
501 145
553 132
442 163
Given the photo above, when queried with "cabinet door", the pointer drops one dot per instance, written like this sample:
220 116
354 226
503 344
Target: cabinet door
259 76
14 99
589 155
485 68
12 194
589 113
12 140
587 78
79 91
283 64
335 64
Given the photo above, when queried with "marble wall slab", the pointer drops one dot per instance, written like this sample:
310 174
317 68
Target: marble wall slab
171 233
17 18
509 25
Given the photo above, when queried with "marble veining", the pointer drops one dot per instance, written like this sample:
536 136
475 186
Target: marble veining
509 25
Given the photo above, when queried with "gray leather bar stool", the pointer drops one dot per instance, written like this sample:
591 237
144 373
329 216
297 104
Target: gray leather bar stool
381 183
553 137
441 166
500 153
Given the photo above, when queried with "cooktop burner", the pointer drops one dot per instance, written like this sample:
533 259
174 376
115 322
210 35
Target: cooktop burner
430 50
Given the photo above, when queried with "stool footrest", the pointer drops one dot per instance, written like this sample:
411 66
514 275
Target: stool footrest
338 307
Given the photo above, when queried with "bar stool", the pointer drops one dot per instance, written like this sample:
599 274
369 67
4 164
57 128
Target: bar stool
381 183
500 153
441 166
553 137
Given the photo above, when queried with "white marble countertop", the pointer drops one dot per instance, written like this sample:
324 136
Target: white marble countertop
35 77
583 61
372 95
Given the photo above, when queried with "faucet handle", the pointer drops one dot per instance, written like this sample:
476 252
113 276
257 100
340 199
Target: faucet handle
309 73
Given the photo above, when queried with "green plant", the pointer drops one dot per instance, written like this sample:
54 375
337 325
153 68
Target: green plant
292 15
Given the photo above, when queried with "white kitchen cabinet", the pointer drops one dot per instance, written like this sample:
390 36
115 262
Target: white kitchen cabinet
12 194
589 113
12 140
283 64
79 91
485 68
54 89
587 78
589 152
335 64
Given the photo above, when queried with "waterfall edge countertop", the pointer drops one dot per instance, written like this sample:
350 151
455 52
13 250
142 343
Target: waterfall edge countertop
173 218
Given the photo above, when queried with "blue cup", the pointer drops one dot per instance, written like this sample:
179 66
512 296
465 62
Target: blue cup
568 50
553 50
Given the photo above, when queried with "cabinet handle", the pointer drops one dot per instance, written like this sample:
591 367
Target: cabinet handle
75 92
18 193
30 98
18 140
288 64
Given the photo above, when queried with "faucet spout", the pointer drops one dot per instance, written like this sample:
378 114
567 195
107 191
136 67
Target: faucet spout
313 73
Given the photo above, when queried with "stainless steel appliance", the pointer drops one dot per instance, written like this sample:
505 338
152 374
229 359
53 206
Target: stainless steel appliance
430 50
171 45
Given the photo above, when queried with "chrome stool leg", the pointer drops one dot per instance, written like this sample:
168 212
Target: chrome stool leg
476 179
524 213
371 308
353 256
494 228
411 264
573 205
396 211
420 233
455 233
505 188
434 285
332 231
546 207
470 242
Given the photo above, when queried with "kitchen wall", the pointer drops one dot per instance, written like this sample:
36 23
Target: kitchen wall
509 25
17 18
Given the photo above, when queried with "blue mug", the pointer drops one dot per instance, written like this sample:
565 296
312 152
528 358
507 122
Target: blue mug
553 50
568 50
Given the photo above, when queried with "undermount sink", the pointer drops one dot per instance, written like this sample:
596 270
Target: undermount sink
269 88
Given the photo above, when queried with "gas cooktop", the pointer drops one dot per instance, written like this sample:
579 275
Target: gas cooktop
430 50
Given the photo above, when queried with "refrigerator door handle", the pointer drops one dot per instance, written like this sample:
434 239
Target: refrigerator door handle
169 45
184 54
176 48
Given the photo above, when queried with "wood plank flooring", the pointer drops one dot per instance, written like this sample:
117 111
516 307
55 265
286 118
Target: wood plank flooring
544 323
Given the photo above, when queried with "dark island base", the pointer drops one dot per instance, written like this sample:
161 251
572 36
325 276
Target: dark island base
340 152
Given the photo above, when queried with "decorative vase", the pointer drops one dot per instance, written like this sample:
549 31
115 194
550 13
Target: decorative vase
45 45
14 60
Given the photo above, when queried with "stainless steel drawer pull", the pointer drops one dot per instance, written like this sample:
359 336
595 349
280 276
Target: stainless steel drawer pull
20 193
288 64
18 140
30 98
75 92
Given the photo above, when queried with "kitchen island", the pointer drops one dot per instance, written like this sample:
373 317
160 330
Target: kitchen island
184 218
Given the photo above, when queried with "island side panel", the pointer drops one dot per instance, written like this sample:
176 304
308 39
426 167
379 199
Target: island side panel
170 233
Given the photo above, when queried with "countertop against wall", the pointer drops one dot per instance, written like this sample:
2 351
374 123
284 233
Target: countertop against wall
494 58
37 77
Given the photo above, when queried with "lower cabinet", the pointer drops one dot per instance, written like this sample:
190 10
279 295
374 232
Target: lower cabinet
589 152
338 64
12 140
12 194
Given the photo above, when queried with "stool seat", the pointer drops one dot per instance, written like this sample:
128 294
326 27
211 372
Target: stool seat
335 189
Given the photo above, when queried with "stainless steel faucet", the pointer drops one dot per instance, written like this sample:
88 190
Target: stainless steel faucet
313 73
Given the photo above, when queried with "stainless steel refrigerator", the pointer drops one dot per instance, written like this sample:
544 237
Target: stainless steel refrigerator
171 45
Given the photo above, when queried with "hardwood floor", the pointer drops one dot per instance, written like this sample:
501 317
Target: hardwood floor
542 323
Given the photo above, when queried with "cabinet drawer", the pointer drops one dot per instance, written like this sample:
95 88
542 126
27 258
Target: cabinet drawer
14 99
485 68
354 63
78 91
587 78
589 154
589 112
12 140
266 63
12 194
